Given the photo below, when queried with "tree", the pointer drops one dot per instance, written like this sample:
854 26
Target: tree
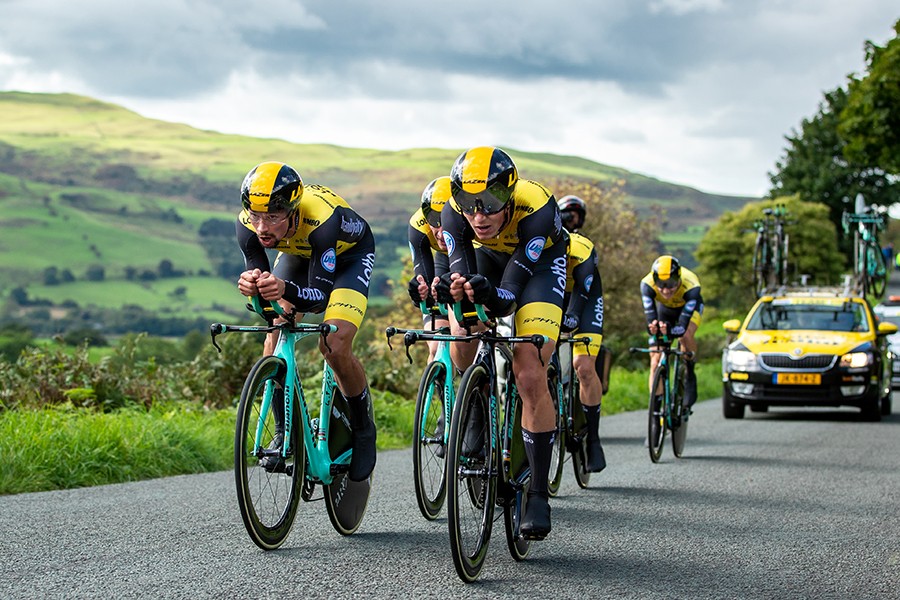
870 122
95 272
815 169
726 251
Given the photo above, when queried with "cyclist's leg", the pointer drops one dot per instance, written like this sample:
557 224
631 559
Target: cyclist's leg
346 308
539 312
689 344
591 394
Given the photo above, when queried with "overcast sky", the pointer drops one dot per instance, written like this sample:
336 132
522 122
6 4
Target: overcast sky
697 92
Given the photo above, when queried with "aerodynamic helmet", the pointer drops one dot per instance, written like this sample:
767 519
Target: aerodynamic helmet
435 196
271 187
483 178
667 272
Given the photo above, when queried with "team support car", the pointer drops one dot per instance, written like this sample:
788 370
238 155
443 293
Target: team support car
889 311
809 348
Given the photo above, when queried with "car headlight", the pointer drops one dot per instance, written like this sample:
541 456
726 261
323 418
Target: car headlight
856 360
742 360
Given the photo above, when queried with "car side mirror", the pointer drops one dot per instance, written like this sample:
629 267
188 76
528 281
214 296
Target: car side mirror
733 326
885 328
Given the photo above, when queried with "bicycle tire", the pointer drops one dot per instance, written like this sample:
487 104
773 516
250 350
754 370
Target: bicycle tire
558 458
679 419
576 439
512 518
428 465
345 500
656 424
267 499
759 276
876 271
471 480
515 483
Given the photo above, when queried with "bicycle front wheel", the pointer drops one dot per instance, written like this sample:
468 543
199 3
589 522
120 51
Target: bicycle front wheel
471 474
428 442
557 459
759 267
656 418
268 495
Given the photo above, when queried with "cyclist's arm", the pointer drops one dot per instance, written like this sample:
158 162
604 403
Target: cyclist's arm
313 297
648 297
692 300
585 277
254 254
422 257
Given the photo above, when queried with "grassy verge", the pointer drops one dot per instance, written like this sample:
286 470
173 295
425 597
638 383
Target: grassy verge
61 448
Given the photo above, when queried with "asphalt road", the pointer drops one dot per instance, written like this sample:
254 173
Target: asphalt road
789 504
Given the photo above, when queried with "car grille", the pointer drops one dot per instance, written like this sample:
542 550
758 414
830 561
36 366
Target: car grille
813 362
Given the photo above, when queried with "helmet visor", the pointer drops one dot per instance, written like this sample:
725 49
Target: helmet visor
490 201
668 284
432 217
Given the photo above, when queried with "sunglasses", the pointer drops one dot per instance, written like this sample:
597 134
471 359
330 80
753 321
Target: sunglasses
669 284
490 201
268 218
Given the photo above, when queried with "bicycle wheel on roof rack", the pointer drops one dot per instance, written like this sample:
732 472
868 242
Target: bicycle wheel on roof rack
876 270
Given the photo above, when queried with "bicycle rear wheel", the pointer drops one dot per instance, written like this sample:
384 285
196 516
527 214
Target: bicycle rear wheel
876 270
576 437
345 500
471 474
428 442
656 429
558 458
679 420
515 485
267 497
759 267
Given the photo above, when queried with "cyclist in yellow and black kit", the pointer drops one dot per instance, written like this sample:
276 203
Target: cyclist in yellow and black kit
584 315
673 305
429 251
519 267
326 253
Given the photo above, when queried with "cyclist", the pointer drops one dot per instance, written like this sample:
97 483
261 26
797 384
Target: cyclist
429 251
673 305
584 314
572 210
519 267
326 253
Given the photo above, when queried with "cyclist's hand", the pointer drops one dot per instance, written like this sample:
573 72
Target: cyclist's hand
270 287
569 323
441 288
678 331
653 327
482 289
418 290
247 282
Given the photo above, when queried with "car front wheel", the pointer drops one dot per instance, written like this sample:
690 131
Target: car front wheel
731 408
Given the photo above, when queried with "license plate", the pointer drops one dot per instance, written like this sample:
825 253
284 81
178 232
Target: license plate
798 378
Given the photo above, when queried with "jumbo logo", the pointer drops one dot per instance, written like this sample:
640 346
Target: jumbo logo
451 244
329 260
534 248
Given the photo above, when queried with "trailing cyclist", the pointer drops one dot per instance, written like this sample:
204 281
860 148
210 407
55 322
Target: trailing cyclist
429 251
673 306
518 267
326 253
584 315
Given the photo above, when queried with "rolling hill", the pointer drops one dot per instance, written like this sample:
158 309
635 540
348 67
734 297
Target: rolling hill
102 207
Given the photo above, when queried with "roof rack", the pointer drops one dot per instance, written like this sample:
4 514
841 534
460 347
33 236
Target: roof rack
846 288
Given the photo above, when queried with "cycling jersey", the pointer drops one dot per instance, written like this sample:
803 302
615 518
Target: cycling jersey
584 293
685 305
326 260
429 260
526 261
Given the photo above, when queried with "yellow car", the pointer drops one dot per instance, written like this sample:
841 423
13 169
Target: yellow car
811 348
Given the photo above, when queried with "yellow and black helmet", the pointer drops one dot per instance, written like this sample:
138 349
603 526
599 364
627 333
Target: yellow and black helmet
435 196
271 187
667 272
483 179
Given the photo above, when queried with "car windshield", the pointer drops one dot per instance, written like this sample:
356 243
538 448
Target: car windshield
849 316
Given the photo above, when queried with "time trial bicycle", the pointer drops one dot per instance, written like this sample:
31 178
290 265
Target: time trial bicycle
434 405
271 478
666 410
869 267
486 461
770 252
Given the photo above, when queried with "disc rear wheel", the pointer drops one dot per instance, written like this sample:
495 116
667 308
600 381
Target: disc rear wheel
345 500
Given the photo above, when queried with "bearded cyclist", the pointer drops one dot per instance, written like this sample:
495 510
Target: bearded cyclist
326 253
519 267
673 306
584 316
